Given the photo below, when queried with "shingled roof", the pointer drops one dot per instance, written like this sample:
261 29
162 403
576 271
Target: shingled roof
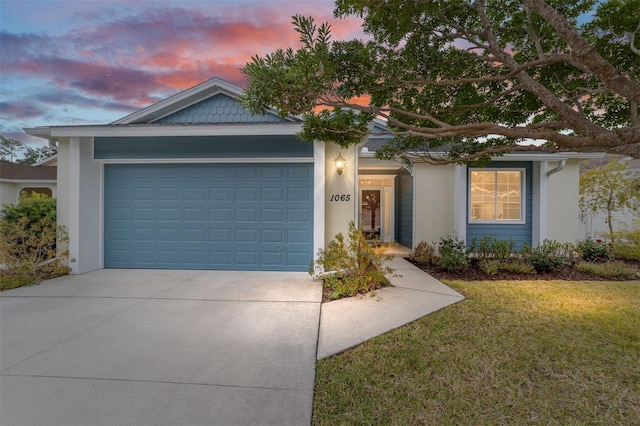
12 171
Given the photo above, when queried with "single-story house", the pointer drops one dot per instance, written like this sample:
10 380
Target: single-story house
196 181
16 179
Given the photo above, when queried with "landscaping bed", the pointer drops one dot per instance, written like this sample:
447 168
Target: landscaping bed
475 273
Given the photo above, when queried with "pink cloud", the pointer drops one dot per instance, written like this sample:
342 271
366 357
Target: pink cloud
122 62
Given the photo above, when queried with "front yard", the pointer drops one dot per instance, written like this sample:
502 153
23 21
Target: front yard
514 352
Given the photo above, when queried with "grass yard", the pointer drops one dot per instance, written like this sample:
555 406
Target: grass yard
514 352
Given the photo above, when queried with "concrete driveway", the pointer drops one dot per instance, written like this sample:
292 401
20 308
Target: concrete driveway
160 347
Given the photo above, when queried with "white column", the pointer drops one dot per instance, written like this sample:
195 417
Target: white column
540 219
460 201
318 196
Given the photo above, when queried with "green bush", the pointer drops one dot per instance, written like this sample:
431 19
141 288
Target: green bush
628 242
548 256
453 255
350 267
13 278
28 229
492 248
425 253
608 270
29 238
595 250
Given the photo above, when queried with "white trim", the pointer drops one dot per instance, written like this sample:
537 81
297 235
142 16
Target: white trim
142 130
192 95
205 160
74 203
460 201
318 197
29 181
540 200
101 214
523 196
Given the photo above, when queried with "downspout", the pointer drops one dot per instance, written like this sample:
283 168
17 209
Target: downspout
558 168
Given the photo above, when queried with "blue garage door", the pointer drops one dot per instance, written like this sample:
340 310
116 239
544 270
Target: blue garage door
209 216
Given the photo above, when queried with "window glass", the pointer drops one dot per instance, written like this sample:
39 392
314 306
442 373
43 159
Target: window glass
496 195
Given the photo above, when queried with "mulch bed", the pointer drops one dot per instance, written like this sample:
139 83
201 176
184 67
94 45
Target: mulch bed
474 273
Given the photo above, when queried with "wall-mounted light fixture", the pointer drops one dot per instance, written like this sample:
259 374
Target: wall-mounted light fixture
340 163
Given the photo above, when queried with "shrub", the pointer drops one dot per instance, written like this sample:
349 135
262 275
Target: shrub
548 256
29 239
453 256
425 253
628 242
351 266
28 229
595 250
483 248
518 267
493 267
609 270
492 248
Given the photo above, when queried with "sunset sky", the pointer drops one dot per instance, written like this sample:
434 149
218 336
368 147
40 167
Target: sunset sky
92 62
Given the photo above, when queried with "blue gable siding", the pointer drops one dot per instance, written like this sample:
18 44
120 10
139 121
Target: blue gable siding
201 147
520 233
218 109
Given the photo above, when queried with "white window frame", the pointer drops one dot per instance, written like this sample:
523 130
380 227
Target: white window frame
523 198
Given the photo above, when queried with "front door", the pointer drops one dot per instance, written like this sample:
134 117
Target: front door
371 213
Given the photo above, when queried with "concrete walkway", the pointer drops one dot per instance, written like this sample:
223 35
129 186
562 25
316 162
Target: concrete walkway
348 322
185 347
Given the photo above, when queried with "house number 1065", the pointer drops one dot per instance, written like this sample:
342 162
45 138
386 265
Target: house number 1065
340 197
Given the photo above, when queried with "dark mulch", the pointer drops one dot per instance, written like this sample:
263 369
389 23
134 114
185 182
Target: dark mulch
474 273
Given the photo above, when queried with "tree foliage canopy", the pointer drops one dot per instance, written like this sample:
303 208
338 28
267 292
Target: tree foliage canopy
14 151
473 79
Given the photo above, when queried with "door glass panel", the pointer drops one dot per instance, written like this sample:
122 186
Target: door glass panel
371 212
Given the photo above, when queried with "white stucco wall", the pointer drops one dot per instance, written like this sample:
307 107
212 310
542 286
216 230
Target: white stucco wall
62 205
79 203
434 188
563 191
339 213
7 193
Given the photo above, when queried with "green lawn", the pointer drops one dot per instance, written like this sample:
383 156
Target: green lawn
521 352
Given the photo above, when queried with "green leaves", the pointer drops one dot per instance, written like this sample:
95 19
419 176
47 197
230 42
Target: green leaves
477 78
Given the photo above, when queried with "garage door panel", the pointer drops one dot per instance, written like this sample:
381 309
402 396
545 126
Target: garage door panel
209 216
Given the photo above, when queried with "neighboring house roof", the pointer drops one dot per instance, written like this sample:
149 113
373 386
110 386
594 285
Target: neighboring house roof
23 172
51 161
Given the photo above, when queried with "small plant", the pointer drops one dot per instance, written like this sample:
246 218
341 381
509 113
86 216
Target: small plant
453 256
608 270
490 267
595 250
492 248
628 242
425 253
483 248
493 267
352 266
547 256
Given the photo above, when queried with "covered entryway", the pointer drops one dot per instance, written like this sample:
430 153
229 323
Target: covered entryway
209 216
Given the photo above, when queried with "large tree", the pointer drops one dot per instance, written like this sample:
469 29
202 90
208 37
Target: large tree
473 79
10 149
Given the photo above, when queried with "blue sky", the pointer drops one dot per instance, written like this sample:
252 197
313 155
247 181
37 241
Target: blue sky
92 62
